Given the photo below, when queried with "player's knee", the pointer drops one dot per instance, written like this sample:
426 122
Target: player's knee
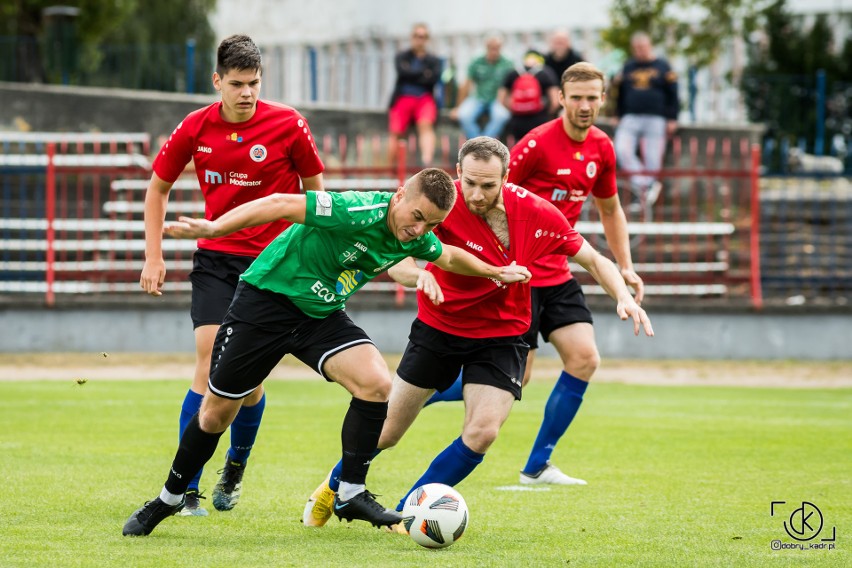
479 437
389 439
583 362
213 420
377 389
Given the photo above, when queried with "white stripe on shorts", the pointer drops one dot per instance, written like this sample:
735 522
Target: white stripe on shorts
224 394
337 349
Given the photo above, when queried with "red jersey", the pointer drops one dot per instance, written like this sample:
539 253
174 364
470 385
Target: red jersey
240 162
480 307
550 164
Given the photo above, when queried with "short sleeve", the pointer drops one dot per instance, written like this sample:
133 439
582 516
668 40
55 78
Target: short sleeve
174 155
522 160
428 248
303 151
606 186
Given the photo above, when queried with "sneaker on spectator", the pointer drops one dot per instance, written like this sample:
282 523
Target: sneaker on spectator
653 192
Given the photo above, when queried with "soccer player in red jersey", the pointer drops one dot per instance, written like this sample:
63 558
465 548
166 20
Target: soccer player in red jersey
477 327
564 161
243 148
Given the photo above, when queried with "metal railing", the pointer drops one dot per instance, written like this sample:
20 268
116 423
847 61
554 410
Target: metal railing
71 223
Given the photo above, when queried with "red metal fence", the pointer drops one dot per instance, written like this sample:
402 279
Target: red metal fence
71 222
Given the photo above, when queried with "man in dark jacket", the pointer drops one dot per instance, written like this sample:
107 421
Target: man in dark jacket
647 107
413 100
561 55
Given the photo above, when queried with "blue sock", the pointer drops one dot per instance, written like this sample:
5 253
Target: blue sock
191 404
244 430
334 480
449 395
450 467
562 406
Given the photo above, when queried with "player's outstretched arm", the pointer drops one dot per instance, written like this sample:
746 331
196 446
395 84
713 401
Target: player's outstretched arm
258 212
408 274
454 259
607 275
154 270
617 239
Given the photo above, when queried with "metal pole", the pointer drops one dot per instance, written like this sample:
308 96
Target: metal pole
819 143
754 244
190 65
312 70
50 214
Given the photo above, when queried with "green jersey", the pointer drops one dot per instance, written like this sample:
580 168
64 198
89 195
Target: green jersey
488 76
344 243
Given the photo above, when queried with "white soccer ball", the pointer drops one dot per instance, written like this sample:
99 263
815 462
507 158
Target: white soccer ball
435 515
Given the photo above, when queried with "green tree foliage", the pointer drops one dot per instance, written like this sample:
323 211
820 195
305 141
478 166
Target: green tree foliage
779 81
696 29
127 43
25 23
152 43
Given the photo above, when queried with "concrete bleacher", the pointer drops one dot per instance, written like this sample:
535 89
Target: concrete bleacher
98 229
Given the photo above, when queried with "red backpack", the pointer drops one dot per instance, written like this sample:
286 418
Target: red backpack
525 97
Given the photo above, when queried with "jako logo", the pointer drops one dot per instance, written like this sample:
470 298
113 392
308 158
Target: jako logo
474 246
205 149
212 177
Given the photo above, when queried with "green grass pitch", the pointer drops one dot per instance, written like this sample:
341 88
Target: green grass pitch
678 476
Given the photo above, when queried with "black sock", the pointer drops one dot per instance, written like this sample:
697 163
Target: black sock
195 449
360 436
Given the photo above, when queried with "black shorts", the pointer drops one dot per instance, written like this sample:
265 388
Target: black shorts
433 359
214 278
554 307
260 328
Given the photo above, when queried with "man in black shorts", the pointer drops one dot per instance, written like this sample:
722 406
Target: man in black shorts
292 299
478 327
230 170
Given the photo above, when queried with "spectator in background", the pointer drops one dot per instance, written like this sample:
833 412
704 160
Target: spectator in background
413 100
646 113
478 94
561 55
531 95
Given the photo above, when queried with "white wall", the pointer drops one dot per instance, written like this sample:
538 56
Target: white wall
317 21
297 21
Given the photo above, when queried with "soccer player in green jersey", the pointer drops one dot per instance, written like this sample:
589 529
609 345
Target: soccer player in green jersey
291 300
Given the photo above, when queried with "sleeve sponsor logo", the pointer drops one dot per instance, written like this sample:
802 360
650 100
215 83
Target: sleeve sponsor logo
323 204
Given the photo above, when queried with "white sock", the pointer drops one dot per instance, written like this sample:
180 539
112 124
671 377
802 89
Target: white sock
169 498
347 491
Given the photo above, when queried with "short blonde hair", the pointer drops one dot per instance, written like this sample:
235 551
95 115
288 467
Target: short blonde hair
582 71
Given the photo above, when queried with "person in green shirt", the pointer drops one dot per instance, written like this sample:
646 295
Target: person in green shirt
478 94
291 300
